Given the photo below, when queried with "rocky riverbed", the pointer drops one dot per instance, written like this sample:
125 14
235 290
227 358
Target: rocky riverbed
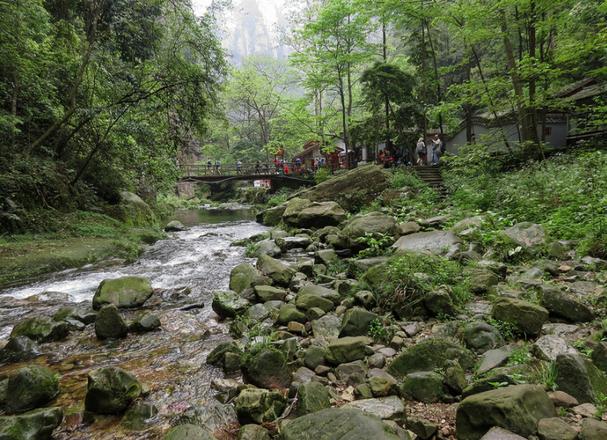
339 326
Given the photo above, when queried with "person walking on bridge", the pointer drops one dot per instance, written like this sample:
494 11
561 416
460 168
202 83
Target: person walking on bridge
238 167
217 166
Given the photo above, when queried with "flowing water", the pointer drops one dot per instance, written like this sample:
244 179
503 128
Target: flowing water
184 269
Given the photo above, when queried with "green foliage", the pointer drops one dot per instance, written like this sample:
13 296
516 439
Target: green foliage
99 99
375 244
321 175
403 178
279 197
404 281
251 250
380 330
546 374
520 356
565 193
508 330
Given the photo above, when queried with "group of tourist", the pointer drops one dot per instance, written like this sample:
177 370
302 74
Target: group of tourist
429 152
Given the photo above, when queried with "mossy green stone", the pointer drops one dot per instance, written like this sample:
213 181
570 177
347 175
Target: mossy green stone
312 397
38 424
268 369
41 329
258 405
337 423
428 355
517 408
31 387
111 390
125 292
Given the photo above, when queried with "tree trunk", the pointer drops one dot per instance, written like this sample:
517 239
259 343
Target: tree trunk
344 117
529 133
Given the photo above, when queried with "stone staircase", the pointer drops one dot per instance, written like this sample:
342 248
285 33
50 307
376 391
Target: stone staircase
432 176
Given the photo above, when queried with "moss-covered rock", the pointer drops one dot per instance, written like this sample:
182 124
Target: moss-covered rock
254 405
312 397
109 324
253 432
111 390
278 271
375 223
146 322
270 293
268 368
356 322
132 210
219 356
244 276
229 304
565 306
38 424
125 292
318 215
337 423
423 386
527 317
271 216
517 408
579 377
18 349
428 355
31 387
293 207
290 312
353 189
348 349
41 329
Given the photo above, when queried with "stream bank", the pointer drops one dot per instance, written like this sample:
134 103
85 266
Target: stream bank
184 269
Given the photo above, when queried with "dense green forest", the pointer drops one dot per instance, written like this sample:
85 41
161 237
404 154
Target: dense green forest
365 71
99 96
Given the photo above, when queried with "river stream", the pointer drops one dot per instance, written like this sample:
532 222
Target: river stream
185 269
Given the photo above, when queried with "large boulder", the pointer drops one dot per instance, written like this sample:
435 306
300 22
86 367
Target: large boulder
293 207
109 324
244 276
480 336
311 296
337 423
269 293
527 317
132 210
579 377
517 408
111 390
187 432
385 408
318 215
254 405
430 354
268 368
38 424
253 432
348 349
271 216
267 247
353 189
41 329
312 397
174 226
31 387
565 306
125 292
593 430
527 235
19 349
431 242
290 312
278 271
423 386
229 304
372 223
356 322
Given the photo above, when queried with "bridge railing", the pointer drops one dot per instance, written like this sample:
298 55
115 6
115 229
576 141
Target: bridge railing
245 169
